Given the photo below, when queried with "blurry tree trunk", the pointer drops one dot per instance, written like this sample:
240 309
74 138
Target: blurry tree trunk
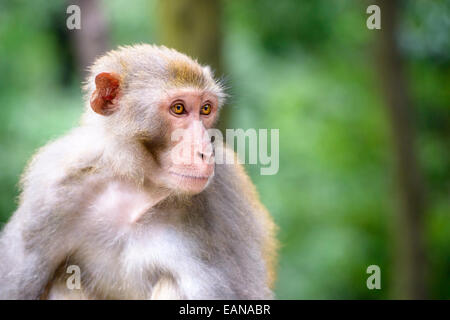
194 27
91 40
410 275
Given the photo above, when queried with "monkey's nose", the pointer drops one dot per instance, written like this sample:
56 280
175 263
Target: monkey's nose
204 155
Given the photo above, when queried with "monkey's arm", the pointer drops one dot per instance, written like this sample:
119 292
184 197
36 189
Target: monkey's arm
269 242
244 198
32 245
39 235
24 270
166 289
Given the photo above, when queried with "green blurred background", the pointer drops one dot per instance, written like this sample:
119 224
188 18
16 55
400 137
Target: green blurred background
363 118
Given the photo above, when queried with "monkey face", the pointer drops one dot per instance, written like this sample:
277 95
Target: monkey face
187 162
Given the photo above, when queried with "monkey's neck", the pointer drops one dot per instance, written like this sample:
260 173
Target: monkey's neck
125 159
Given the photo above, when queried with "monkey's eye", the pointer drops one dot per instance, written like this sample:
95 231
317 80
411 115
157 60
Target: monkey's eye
206 109
177 108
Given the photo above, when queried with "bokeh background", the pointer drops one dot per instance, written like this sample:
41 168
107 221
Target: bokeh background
363 118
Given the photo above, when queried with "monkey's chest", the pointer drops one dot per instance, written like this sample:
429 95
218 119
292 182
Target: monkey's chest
132 265
132 246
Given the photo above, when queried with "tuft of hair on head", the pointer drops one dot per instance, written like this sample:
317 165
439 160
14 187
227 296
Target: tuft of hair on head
185 73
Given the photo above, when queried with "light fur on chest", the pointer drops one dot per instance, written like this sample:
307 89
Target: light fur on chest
145 253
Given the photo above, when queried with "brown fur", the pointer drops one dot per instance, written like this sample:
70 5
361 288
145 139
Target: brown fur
184 73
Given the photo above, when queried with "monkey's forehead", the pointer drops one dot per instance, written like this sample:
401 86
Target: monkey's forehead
184 73
174 93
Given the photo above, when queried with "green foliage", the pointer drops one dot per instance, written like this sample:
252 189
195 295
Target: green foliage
308 68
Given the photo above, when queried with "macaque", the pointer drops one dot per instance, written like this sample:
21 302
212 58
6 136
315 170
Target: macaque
139 220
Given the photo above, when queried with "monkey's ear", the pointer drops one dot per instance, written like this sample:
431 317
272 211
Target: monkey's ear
107 87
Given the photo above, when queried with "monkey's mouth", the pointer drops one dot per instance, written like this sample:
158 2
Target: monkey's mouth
189 176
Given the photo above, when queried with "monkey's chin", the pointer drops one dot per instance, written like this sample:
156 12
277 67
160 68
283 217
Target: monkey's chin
190 183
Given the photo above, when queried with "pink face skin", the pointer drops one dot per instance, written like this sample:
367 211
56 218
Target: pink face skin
188 164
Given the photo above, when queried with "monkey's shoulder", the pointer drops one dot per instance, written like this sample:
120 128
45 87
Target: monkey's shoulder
62 162
233 180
